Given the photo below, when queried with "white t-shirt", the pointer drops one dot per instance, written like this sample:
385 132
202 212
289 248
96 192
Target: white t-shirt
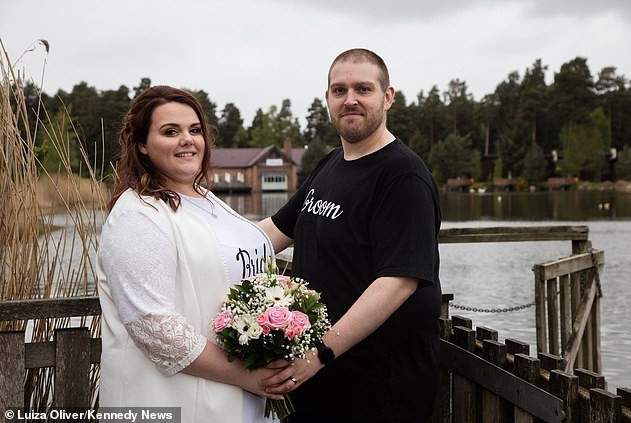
140 262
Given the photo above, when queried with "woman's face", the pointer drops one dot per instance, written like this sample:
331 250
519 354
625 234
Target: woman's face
175 145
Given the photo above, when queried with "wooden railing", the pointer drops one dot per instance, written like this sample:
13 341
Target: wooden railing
484 380
568 309
71 352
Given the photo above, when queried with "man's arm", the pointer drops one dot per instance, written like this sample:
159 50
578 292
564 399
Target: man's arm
280 241
378 302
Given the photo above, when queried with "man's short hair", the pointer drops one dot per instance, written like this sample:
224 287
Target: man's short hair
359 55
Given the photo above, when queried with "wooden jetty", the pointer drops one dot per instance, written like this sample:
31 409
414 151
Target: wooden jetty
481 379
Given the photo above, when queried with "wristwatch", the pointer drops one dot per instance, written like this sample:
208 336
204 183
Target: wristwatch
325 353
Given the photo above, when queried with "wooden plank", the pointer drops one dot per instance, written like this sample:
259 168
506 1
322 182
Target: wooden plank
482 333
527 368
515 346
553 316
464 338
605 407
461 321
566 265
12 372
491 408
501 382
565 386
522 416
49 307
576 301
588 379
588 338
578 232
42 354
442 401
565 303
578 327
540 312
505 237
551 362
598 366
625 394
72 367
514 234
495 352
465 400
444 305
445 328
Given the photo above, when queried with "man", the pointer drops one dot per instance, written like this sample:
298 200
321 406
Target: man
364 226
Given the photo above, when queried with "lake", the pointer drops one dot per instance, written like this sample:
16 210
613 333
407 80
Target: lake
494 275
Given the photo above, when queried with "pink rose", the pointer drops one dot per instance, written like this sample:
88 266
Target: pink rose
291 332
284 281
300 320
263 321
222 320
278 317
299 323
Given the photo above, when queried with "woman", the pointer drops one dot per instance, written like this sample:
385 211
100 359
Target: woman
169 252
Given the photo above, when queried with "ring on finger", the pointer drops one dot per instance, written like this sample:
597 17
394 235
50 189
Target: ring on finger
293 379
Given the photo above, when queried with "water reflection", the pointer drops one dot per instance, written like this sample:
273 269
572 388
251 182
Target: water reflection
457 207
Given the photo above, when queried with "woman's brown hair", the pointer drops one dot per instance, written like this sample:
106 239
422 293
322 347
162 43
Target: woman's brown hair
134 170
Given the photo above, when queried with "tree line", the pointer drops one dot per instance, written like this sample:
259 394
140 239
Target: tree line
524 128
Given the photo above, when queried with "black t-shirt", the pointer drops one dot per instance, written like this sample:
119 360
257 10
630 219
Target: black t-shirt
353 222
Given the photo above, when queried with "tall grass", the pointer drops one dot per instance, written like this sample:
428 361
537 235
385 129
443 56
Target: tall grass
44 254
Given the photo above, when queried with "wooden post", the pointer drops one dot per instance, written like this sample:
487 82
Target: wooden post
526 368
565 386
513 346
461 321
72 368
625 394
575 283
577 293
465 392
12 371
540 312
598 367
553 316
495 408
442 402
587 380
605 407
566 310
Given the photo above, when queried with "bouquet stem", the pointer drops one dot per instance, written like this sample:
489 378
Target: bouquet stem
279 408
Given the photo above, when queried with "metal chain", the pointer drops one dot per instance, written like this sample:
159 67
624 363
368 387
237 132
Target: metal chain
596 273
525 306
492 310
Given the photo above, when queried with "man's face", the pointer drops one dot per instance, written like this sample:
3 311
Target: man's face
357 102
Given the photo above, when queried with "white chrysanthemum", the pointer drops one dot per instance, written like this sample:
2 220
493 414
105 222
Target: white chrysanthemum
248 328
277 295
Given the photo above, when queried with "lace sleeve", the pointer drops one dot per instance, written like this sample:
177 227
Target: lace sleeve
140 262
168 340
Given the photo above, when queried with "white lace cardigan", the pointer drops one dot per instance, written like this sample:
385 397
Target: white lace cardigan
162 321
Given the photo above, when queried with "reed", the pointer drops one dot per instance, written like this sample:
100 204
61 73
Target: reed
44 254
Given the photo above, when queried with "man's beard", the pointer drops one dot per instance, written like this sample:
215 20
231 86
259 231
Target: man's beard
356 133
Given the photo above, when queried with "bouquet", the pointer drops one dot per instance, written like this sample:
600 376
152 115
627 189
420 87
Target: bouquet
269 317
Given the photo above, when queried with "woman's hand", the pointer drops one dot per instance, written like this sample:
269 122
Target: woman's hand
290 377
253 381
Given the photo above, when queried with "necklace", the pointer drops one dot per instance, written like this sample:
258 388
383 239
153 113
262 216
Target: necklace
194 202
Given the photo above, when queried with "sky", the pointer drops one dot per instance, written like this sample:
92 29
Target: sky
255 53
